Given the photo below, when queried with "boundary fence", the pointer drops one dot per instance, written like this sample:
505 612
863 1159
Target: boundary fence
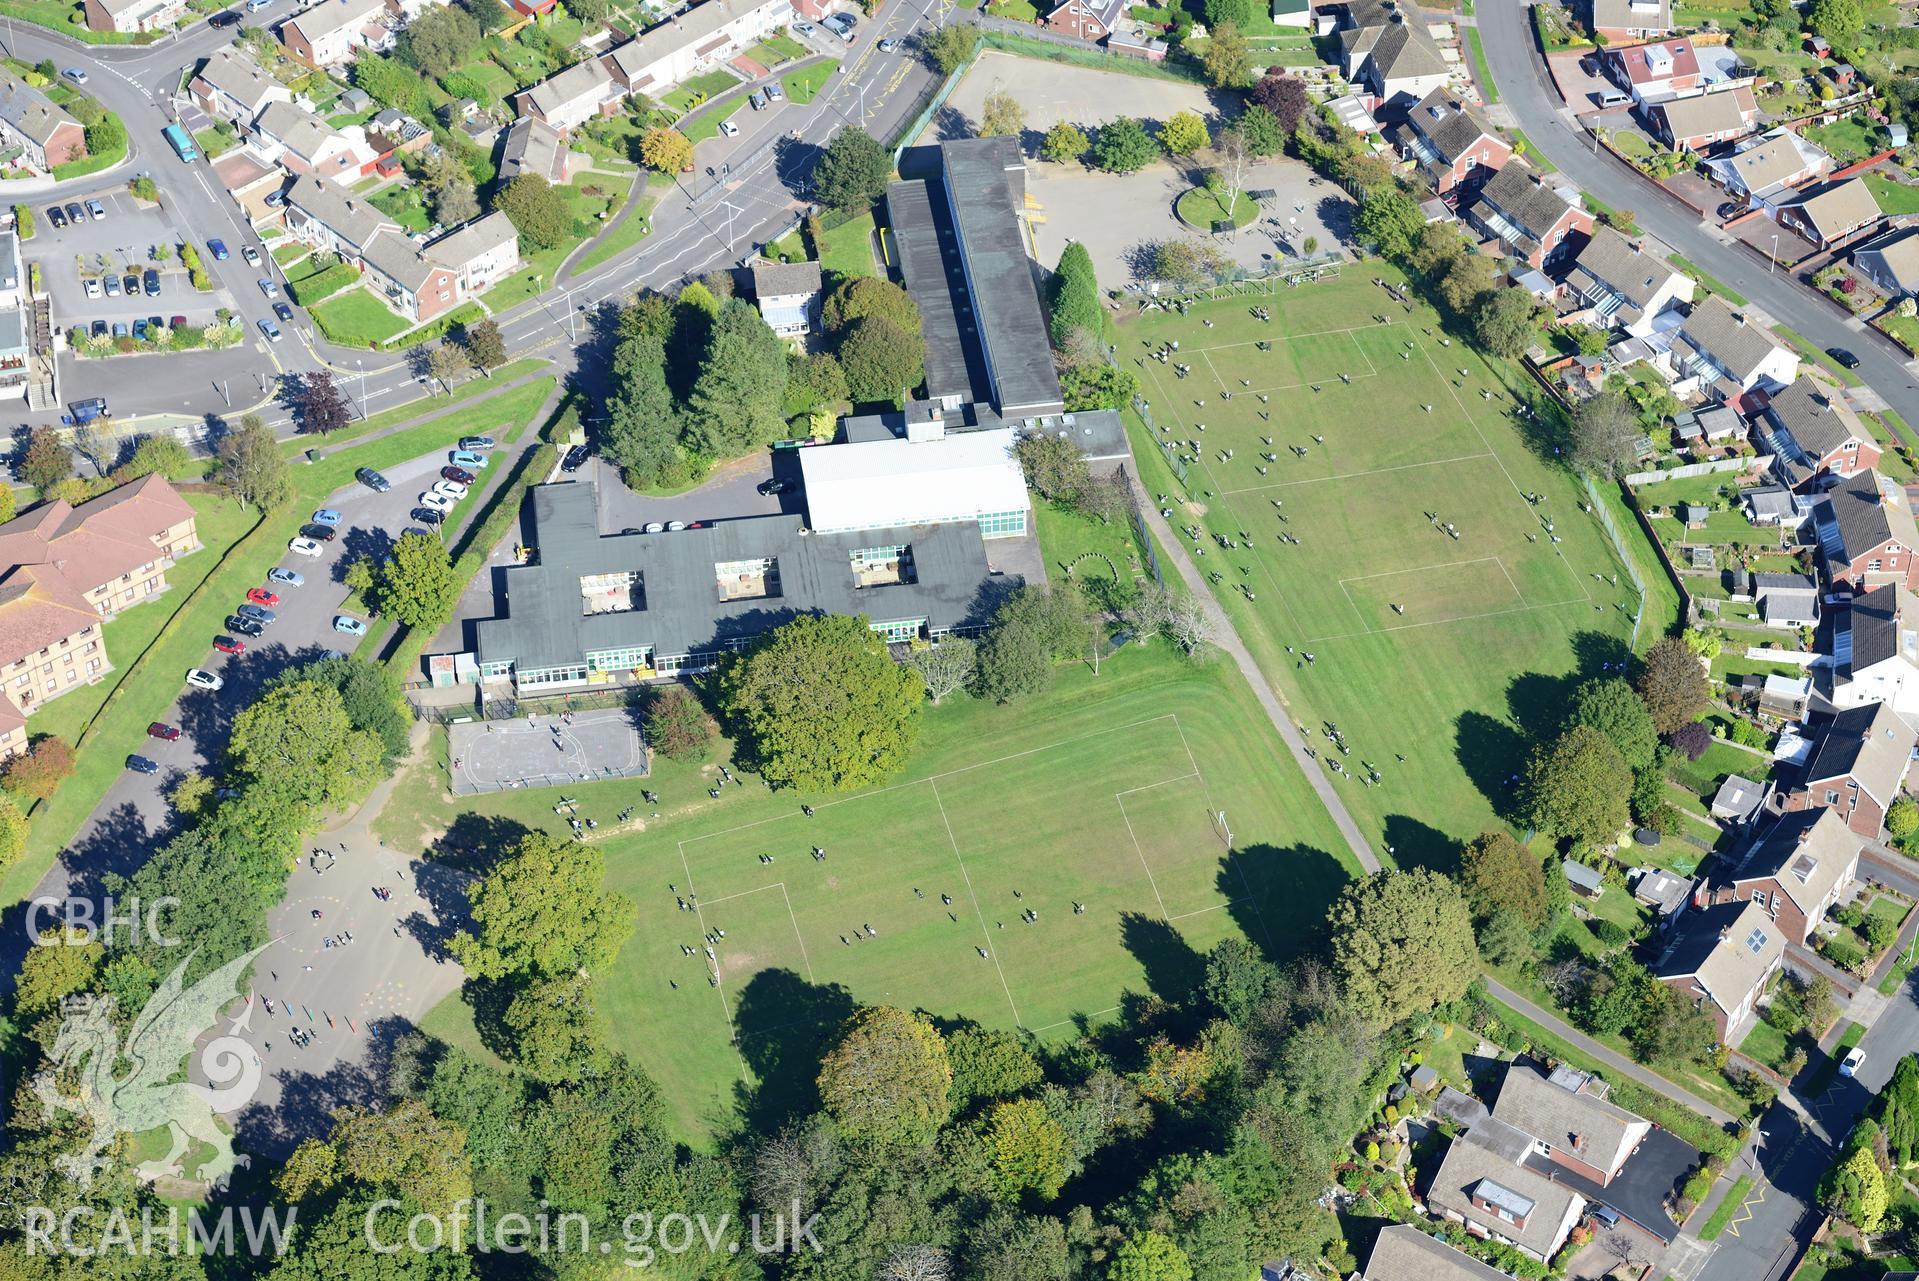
510 708
1625 554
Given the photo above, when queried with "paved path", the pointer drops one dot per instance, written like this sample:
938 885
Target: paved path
1610 1058
1228 639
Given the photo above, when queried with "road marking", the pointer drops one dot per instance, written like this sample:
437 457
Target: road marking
1757 1196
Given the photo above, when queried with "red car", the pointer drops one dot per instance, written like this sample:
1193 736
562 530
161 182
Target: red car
261 596
164 732
229 645
460 474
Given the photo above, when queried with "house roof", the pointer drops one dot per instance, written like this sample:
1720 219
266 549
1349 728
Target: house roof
1472 1171
470 240
1574 1121
329 16
1770 162
1771 500
1818 421
29 111
588 79
1714 330
1633 15
534 146
1839 208
1709 113
1660 60
238 76
780 279
1662 890
1883 625
1399 49
1527 203
1729 950
1808 852
1611 263
1786 597
1586 878
393 254
1450 126
1870 744
691 27
1404 1253
1105 12
350 218
298 129
1858 516
1738 798
1897 256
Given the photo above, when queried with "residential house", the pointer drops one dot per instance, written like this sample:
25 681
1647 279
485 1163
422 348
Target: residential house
1569 1120
1450 142
534 146
45 133
1404 1253
480 253
1669 896
532 8
1843 76
411 282
1771 505
1891 262
1704 120
132 16
1626 286
1654 72
302 143
1090 20
1795 873
1718 351
788 296
1764 170
1723 962
1532 221
1830 214
13 730
1786 600
707 35
64 570
1390 52
1625 21
250 182
1482 1184
573 97
1857 767
1866 535
326 217
329 33
1813 436
1875 651
230 85
1738 799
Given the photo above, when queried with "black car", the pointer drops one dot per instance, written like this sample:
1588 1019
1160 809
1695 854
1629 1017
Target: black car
99 329
75 214
243 625
57 216
150 280
143 765
228 18
775 486
373 480
427 516
575 458
319 533
1843 358
284 312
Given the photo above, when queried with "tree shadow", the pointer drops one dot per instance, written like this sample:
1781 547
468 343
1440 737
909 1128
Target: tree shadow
1173 969
1279 897
307 1101
1538 703
1493 754
1417 844
361 542
475 843
783 1026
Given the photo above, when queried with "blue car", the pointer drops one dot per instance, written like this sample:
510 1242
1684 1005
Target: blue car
327 516
219 250
349 625
140 330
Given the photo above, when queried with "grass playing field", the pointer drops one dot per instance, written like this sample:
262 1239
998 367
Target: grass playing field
1363 439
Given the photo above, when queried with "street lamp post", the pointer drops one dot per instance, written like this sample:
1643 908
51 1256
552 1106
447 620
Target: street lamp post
1772 259
362 367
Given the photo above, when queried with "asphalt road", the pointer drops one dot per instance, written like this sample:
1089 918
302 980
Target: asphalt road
1506 31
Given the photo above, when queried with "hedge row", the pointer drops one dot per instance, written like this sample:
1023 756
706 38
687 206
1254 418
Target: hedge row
467 313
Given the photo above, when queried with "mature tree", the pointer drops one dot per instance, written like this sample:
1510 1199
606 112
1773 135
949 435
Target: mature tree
1673 684
1064 142
447 361
1390 220
1506 322
1264 135
1227 59
1504 878
1855 1187
1149 1256
1402 944
867 296
735 405
886 1083
665 150
13 833
1242 13
881 360
1031 629
405 1148
1001 115
988 1064
1839 21
817 377
543 912
1609 705
536 210
1238 979
1073 295
1028 1150
1183 133
485 344
821 704
642 423
1899 1109
297 743
35 774
1285 97
322 406
553 1033
947 667
1123 146
1576 786
951 45
47 461
417 585
1054 466
1605 433
1186 263
440 39
852 171
164 455
252 468
370 693
675 723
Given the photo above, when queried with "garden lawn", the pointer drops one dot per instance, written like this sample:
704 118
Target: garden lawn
692 93
706 124
1017 10
356 319
1895 198
804 85
146 695
1491 629
1481 72
777 48
846 250
541 265
631 229
404 203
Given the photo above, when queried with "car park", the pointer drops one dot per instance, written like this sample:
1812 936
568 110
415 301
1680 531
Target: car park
96 211
730 129
218 248
466 458
460 474
142 764
305 547
575 459
476 442
271 330
451 488
775 486
245 626
258 613
436 502
286 577
228 645
93 289
349 625
76 74
268 288
251 254
1843 358
373 480
284 312
204 680
150 281
163 731
263 596
327 516
319 533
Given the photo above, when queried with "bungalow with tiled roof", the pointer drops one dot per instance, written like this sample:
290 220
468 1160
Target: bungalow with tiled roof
1531 220
1723 963
1621 21
1891 262
1450 142
1763 171
1813 436
1091 20
1718 350
231 86
1654 72
1704 120
1626 284
132 16
1830 214
1404 1253
1866 534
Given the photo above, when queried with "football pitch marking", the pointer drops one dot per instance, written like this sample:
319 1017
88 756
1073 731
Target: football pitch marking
1351 475
1222 380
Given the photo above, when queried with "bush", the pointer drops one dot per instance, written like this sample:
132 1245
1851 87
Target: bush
1844 953
1611 934
675 723
36 773
1692 739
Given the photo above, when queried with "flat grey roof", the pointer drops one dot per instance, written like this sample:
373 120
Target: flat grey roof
938 288
542 624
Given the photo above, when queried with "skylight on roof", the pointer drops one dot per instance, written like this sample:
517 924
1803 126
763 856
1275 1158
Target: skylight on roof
1756 941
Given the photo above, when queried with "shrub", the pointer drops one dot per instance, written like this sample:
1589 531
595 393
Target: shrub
1692 739
676 725
1844 953
36 773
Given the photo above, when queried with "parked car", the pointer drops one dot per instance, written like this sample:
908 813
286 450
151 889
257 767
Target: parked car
224 19
139 329
286 577
254 6
163 731
575 458
350 625
451 488
466 458
305 547
57 217
271 330
142 765
131 283
76 74
120 329
99 329
1730 209
228 645
204 680
436 502
96 211
1843 358
774 486
428 515
373 480
476 442
150 281
178 322
319 533
113 286
460 474
774 93
805 28
263 596
243 625
730 129
75 214
251 254
284 312
1850 1065
267 287
218 248
756 100
327 516
258 613
93 287
655 527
